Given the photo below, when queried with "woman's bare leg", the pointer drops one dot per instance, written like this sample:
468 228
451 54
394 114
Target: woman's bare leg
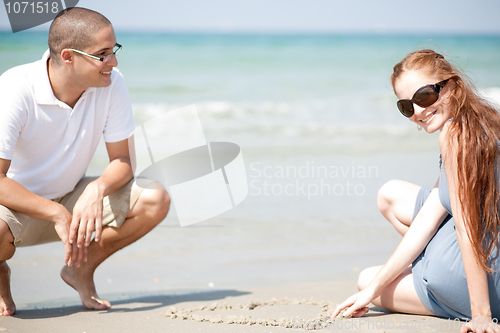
399 296
396 201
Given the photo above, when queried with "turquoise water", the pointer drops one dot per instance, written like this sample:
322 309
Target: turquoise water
291 102
281 81
186 69
287 89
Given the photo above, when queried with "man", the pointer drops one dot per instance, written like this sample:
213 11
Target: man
52 115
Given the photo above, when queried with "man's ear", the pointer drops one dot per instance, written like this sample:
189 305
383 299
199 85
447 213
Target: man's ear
67 56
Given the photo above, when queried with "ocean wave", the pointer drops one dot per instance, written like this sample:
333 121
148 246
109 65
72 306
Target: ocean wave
375 108
309 112
492 94
290 127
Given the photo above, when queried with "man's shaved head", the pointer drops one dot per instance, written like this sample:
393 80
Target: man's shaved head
74 28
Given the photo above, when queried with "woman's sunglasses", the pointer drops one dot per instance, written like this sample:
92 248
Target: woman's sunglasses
423 97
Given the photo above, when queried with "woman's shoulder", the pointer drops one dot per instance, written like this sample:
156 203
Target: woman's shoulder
447 139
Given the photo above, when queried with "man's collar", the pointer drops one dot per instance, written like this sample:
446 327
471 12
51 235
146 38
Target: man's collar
43 89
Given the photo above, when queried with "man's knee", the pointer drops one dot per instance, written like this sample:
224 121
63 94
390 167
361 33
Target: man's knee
7 248
163 199
156 202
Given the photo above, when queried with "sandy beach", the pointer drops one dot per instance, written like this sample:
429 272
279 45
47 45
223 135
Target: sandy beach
232 259
149 313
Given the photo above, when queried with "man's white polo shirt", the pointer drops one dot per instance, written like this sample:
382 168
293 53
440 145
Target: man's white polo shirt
49 143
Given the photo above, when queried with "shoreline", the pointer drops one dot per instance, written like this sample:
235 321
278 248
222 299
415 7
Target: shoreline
148 313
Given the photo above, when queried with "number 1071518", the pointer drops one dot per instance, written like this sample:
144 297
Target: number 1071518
26 7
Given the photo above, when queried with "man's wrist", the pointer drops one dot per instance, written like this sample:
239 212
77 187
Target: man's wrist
99 188
55 211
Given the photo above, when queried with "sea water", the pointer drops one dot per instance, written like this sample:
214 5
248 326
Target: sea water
319 131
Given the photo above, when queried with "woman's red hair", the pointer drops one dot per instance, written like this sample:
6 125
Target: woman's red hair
476 129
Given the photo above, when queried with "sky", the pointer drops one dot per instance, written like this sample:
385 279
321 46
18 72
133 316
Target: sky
297 16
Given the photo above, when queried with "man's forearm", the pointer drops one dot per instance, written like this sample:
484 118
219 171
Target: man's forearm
116 175
16 197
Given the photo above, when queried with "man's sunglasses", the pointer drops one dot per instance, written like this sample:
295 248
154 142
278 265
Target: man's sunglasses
105 58
423 97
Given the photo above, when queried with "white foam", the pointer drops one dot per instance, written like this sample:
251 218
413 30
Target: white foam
492 94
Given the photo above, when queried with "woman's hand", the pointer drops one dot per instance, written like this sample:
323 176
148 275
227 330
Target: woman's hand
357 304
480 325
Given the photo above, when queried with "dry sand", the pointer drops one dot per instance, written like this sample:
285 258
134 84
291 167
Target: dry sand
151 314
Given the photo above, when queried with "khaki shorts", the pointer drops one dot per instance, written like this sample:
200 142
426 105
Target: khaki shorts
29 231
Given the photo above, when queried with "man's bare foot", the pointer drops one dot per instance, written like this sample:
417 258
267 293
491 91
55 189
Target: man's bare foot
84 284
7 306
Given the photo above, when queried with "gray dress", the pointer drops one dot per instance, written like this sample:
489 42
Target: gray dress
438 272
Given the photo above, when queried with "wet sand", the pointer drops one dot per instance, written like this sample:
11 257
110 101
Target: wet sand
154 313
289 247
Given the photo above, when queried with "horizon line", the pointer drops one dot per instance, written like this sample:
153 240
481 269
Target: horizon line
4 30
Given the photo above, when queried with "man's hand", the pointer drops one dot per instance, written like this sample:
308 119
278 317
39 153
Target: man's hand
62 221
87 213
87 217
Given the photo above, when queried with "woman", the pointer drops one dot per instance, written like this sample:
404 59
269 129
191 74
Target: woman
447 262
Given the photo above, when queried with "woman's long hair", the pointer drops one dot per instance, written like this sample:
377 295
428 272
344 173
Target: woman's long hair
476 129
